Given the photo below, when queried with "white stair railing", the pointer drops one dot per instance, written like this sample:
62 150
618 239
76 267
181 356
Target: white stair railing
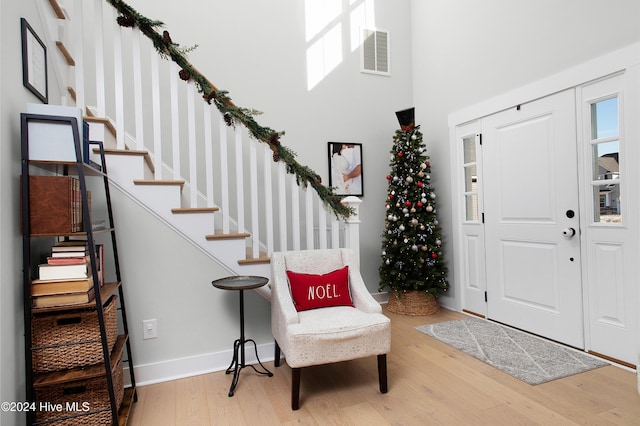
189 139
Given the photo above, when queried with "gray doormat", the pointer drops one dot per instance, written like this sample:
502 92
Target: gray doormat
529 358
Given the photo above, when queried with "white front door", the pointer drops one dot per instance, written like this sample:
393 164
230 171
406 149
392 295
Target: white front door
532 233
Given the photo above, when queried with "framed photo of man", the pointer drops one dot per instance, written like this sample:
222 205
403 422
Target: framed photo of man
345 168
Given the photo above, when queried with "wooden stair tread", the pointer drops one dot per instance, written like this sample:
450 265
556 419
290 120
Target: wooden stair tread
65 52
181 210
72 92
57 9
159 182
249 260
229 236
144 153
90 118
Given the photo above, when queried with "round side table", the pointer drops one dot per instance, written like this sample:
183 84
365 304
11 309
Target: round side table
241 283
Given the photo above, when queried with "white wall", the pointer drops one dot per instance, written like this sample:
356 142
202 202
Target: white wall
465 51
13 100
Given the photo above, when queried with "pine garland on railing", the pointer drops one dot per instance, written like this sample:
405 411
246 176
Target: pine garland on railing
232 114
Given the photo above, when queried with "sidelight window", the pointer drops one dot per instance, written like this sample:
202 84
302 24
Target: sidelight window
605 161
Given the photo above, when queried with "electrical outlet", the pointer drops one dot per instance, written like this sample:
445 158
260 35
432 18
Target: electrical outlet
149 329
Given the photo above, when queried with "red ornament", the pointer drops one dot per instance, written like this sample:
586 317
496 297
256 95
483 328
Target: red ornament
391 196
427 163
408 204
420 184
388 177
434 255
400 154
419 203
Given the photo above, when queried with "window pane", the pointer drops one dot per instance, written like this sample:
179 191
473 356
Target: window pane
470 179
472 206
605 161
606 206
604 119
469 149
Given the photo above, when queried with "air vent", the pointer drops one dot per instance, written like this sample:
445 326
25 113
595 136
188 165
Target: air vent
375 52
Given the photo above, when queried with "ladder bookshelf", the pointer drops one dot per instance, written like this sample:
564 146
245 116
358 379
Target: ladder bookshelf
72 390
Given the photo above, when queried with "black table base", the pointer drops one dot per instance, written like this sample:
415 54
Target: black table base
237 364
238 361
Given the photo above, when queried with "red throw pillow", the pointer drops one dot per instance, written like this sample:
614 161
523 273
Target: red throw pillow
310 291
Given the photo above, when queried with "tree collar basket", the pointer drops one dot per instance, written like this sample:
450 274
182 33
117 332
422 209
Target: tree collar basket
412 302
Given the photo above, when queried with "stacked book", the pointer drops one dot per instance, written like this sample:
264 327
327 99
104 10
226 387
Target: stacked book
66 278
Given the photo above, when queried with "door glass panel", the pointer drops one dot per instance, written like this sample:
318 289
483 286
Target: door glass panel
607 208
470 179
604 119
469 149
605 157
471 201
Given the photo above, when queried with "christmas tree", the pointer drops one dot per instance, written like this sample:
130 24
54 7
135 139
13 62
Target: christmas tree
412 242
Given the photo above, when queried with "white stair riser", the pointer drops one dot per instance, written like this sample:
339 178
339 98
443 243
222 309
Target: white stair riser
124 169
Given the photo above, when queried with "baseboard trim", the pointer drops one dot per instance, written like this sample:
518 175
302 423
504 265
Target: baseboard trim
164 371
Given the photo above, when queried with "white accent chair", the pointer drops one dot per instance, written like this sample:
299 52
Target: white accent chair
330 334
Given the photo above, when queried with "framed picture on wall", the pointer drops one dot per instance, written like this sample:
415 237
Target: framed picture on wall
345 168
34 62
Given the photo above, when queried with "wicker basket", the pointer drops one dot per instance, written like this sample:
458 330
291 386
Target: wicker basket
412 303
83 402
71 339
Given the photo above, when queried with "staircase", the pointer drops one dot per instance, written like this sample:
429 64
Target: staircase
175 154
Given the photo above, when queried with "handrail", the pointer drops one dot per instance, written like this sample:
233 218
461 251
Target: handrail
232 113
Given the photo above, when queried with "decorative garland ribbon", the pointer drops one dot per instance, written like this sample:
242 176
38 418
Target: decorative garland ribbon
232 114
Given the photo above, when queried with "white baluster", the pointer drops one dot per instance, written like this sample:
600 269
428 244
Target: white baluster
137 88
193 151
157 120
224 176
322 225
118 85
268 195
308 209
282 205
335 232
208 149
255 205
78 52
239 180
295 213
98 47
175 121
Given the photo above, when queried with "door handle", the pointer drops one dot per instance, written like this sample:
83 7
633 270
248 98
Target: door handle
568 232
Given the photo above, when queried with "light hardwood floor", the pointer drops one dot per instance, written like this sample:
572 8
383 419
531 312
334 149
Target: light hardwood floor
429 384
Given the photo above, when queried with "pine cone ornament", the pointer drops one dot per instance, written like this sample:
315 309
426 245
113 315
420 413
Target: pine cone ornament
166 38
228 119
125 21
184 75
207 97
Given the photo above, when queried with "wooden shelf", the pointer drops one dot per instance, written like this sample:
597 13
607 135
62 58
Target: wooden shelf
125 408
107 290
71 166
71 234
59 377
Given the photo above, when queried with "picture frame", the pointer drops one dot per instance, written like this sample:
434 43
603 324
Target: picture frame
345 168
34 62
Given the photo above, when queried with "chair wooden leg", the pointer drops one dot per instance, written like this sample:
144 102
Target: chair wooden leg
276 359
295 388
382 372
